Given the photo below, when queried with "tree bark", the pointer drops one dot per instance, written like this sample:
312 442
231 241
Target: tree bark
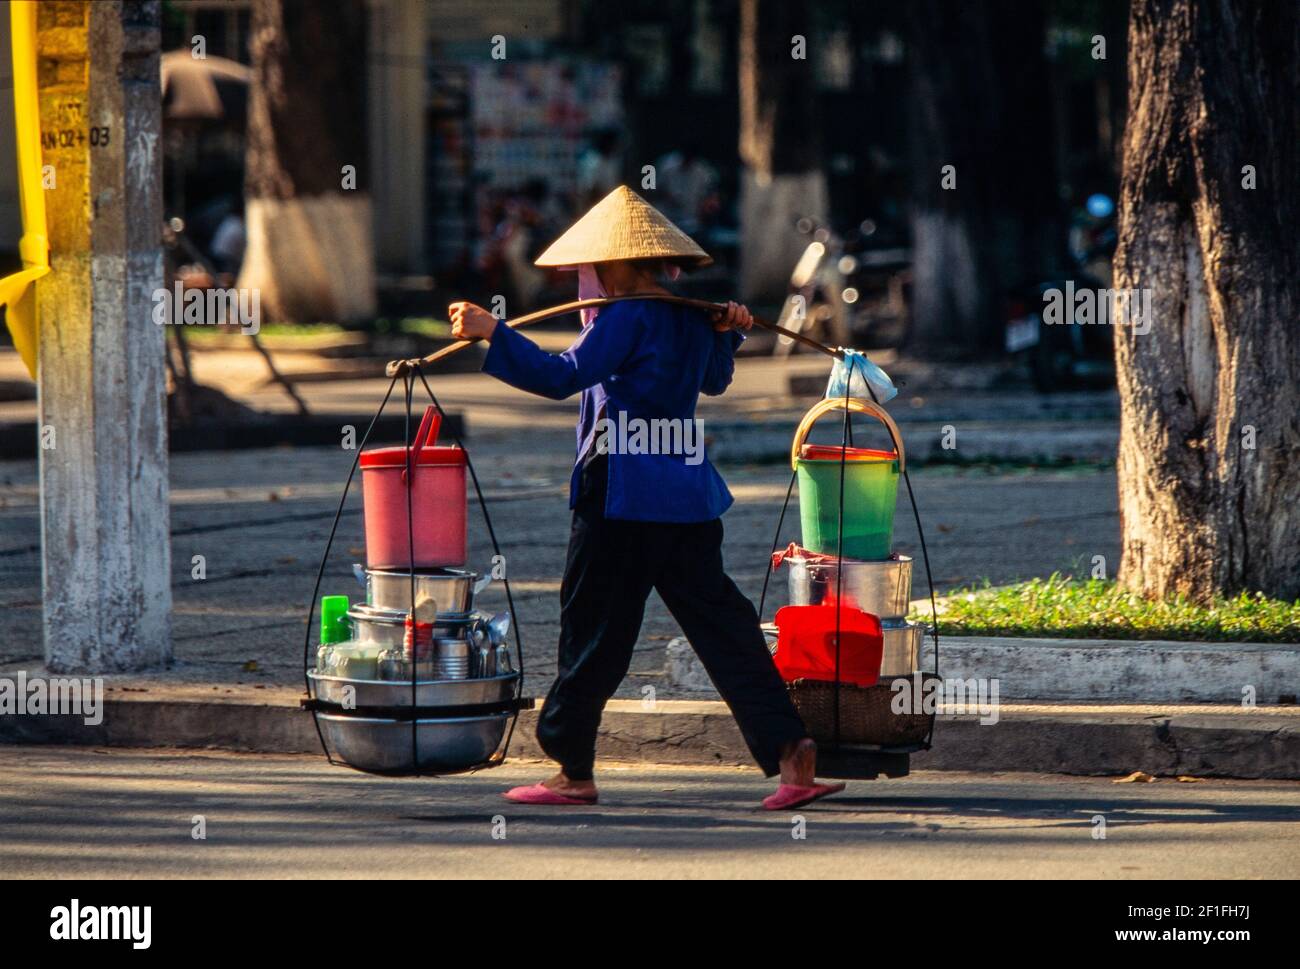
780 144
1209 457
980 103
310 247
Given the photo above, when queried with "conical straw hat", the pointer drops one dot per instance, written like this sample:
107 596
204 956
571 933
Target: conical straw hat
622 225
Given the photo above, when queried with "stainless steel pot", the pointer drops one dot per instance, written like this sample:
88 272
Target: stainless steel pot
388 627
428 693
452 590
386 745
882 588
902 653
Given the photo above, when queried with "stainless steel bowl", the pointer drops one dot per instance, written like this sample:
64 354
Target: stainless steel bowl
452 590
428 693
387 627
386 745
902 646
882 588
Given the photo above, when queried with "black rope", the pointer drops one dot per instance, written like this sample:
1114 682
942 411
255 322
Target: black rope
925 554
776 540
320 572
408 392
839 560
934 608
408 387
505 578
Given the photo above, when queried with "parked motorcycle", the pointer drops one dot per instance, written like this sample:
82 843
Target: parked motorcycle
850 291
1063 355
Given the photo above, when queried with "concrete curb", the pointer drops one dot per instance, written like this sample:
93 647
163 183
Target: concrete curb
1200 741
1087 670
1049 443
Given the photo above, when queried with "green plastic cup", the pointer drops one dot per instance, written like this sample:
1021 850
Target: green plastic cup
334 626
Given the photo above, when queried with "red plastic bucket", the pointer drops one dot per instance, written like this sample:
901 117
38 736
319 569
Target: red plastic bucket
437 502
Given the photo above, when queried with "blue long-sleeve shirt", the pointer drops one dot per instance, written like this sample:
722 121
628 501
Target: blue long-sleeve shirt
641 361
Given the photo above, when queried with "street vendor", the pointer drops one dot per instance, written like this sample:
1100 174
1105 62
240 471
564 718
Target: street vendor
643 519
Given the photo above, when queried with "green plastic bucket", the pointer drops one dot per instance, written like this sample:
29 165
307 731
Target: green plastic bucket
870 489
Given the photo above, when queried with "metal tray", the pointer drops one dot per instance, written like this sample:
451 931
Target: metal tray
428 693
387 627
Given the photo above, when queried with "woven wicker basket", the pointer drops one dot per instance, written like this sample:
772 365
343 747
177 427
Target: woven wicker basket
866 714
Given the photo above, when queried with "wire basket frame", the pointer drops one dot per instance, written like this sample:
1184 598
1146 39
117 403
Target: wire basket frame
861 716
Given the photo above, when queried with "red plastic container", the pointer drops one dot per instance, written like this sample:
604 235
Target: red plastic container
437 502
805 645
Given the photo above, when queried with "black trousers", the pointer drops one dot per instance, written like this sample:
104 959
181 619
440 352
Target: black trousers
611 567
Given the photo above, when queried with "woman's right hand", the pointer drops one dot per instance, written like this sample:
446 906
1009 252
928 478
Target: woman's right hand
734 316
470 321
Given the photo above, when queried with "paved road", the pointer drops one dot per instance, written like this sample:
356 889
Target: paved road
85 813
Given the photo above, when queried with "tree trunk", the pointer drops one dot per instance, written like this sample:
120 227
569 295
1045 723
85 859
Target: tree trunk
780 144
980 103
1209 457
310 248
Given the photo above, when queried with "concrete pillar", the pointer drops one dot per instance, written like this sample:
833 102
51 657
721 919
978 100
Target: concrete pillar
397 102
104 515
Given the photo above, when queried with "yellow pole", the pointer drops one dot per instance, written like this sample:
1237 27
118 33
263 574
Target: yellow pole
17 293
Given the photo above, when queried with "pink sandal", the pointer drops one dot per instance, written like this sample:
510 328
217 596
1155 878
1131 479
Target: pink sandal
792 795
541 794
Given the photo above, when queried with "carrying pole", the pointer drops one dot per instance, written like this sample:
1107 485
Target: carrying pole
396 367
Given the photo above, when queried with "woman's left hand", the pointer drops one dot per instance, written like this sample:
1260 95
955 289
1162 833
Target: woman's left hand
735 317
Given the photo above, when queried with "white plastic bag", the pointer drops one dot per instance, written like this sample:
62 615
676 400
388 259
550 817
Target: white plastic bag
859 373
